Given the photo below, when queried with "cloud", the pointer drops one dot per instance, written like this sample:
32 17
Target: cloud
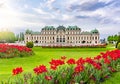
87 14
40 11
88 5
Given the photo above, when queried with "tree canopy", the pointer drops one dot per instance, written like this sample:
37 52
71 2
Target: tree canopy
113 38
7 36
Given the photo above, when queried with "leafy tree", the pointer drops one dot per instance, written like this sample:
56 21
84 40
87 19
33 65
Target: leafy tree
17 37
110 39
7 36
20 36
118 41
115 38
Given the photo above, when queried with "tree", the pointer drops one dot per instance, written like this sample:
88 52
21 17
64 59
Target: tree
118 41
110 39
20 36
7 36
115 38
17 37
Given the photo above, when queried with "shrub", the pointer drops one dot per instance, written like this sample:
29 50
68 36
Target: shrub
29 44
118 46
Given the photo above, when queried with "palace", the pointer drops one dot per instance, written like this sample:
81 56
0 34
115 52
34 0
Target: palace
62 36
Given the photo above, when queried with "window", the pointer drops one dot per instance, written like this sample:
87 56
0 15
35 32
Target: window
63 39
60 39
84 38
81 38
83 42
96 38
53 38
57 39
87 38
68 38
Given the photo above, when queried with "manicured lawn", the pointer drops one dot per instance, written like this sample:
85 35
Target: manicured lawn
44 55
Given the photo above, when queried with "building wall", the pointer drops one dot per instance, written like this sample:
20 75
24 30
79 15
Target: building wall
68 37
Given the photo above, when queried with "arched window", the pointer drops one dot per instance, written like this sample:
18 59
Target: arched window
96 38
68 38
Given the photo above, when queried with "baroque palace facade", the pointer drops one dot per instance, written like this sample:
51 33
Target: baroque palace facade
62 36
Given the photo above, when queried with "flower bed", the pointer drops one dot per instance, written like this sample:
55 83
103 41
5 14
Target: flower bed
10 51
79 46
71 71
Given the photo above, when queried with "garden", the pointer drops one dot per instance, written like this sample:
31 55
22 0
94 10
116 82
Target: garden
59 65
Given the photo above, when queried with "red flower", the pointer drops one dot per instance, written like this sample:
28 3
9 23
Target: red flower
48 77
105 55
17 70
96 65
53 67
40 69
79 68
107 61
97 57
57 62
89 60
80 61
71 61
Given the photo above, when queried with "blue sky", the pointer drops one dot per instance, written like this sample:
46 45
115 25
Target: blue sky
19 15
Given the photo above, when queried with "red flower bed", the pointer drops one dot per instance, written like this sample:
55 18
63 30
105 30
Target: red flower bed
71 71
9 51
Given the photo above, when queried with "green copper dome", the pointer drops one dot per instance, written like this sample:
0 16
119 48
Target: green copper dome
61 28
73 28
48 28
95 31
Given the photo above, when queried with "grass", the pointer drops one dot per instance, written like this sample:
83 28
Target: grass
44 55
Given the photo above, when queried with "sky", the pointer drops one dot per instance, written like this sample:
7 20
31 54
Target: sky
19 15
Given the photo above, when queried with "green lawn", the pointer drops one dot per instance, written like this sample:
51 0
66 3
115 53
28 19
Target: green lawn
44 55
